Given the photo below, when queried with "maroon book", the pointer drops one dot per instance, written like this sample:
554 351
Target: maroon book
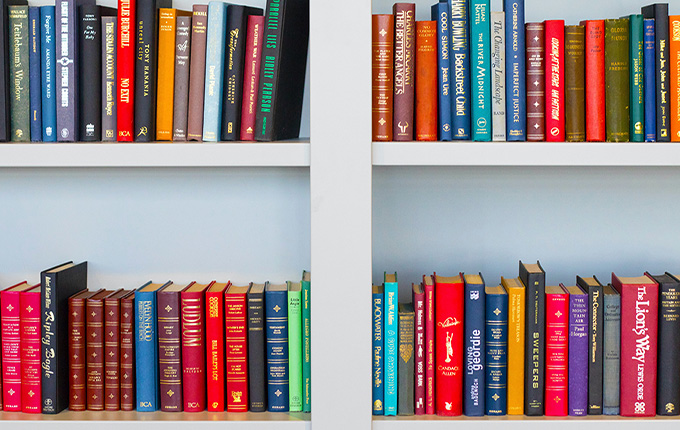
112 351
535 59
251 76
419 307
94 323
404 70
127 352
170 347
193 347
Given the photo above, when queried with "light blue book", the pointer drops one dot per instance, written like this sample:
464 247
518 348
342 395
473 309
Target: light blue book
48 78
480 54
391 325
214 70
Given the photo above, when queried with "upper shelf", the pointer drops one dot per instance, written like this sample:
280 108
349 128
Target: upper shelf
293 153
525 154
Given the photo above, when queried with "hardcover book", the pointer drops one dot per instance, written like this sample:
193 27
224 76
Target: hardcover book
251 76
475 342
428 284
498 75
668 383
578 351
5 60
34 72
649 72
170 347
127 352
496 350
637 79
595 341
659 12
480 51
556 350
125 70
193 347
382 58
440 13
214 70
612 351
108 91
617 79
78 350
595 81
20 106
276 319
554 81
674 94
306 342
460 69
378 350
94 326
29 321
236 315
405 70
533 278
199 28
257 372
516 300
295 346
214 340
575 83
419 347
535 64
426 82
48 76
406 369
391 336
515 64
112 354
181 90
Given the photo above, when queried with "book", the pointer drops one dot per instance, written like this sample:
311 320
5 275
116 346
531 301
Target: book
193 346
475 344
595 341
449 299
498 73
405 71
649 73
257 372
20 106
674 59
214 340
406 366
612 351
48 76
596 130
378 293
29 322
286 33
236 330
556 350
428 285
295 346
94 347
460 69
418 294
480 52
251 76
112 350
127 352
668 373
533 278
168 311
276 320
382 57
214 70
574 83
516 300
34 72
306 342
108 91
125 70
535 76
496 390
199 30
578 351
440 13
617 79
637 79
426 82
515 64
639 323
659 12
181 84
391 336
554 81
78 350
5 60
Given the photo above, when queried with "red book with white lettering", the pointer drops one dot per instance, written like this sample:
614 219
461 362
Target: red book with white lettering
125 70
554 81
556 351
639 324
428 284
595 105
193 347
449 296
30 350
236 331
214 332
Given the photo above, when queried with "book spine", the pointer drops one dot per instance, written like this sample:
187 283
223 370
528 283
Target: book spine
77 355
251 76
516 300
554 81
193 351
575 84
674 60
498 73
595 346
214 71
534 347
199 28
214 332
5 134
440 13
595 82
404 70
48 70
659 12
11 343
20 107
112 354
535 64
30 352
67 68
391 332
668 378
257 382
617 79
307 347
612 354
181 95
637 92
295 351
145 71
650 80
109 79
496 390
480 51
378 354
94 344
426 83
127 354
34 72
515 87
235 312
449 352
406 369
125 71
167 30
89 74
419 352
475 342
556 354
276 315
146 352
460 69
49 350
383 77
429 349
578 355
169 351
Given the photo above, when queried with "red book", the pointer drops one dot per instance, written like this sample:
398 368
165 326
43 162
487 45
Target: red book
236 330
426 80
94 323
554 81
127 352
419 307
428 284
449 296
193 347
251 78
595 106
556 351
30 350
125 70
112 351
214 333
77 351
639 324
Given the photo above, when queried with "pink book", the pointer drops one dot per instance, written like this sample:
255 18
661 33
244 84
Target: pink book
554 81
251 76
428 284
193 347
419 307
30 350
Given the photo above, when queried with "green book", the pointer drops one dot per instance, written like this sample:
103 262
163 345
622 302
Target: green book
306 343
20 105
637 91
617 79
295 346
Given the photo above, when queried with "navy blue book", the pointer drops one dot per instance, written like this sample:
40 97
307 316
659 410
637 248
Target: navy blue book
440 13
276 327
515 71
473 379
459 58
378 388
34 72
496 350
649 40
49 98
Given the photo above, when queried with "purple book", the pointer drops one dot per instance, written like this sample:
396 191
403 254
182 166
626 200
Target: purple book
578 351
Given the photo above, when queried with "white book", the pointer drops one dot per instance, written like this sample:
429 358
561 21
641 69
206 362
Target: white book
498 74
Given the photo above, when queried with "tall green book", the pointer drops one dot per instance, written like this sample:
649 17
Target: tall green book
306 342
295 346
20 105
480 55
617 79
637 90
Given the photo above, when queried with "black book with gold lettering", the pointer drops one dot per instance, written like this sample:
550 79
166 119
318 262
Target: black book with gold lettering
668 375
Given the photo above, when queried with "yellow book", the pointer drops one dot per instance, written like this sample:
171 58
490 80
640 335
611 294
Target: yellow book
516 298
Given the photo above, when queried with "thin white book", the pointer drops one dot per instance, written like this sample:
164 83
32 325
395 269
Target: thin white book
498 74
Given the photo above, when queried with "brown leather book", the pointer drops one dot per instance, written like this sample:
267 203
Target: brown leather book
127 352
199 26
426 80
94 323
112 350
383 76
575 89
535 55
404 70
182 50
77 351
170 347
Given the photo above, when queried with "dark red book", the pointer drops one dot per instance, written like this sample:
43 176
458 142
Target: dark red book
236 331
214 333
30 350
112 350
125 70
77 350
639 328
428 284
535 63
127 352
94 323
404 70
193 347
449 298
419 323
595 95
556 351
426 81
170 347
554 81
251 77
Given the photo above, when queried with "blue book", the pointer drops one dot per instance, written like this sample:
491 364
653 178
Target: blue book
34 67
515 71
378 388
276 329
440 13
460 69
391 326
49 98
146 347
214 70
473 379
496 350
480 50
649 40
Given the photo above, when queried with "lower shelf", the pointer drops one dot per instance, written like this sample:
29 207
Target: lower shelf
521 422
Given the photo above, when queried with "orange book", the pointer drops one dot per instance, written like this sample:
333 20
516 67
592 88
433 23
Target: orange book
674 49
516 299
426 80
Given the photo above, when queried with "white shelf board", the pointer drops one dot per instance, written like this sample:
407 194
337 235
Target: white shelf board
525 154
165 154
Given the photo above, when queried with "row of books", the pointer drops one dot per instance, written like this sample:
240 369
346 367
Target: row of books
167 347
458 346
149 72
474 74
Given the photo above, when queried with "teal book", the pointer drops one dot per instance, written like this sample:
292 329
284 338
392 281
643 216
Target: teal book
391 333
20 107
306 342
295 346
216 39
637 79
480 54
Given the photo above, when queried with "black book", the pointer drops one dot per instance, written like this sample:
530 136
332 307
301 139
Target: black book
5 128
146 60
659 12
232 96
58 284
406 369
282 71
668 358
257 372
533 278
595 341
